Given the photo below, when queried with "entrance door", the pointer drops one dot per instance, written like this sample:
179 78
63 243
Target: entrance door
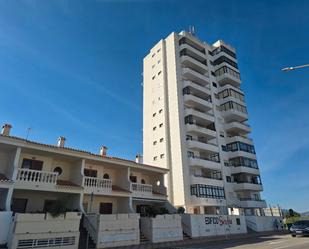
19 205
142 210
106 208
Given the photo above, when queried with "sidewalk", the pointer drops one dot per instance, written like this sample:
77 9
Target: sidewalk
175 244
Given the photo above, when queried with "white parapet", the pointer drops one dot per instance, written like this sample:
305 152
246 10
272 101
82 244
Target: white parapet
201 225
43 230
110 230
5 223
162 228
264 223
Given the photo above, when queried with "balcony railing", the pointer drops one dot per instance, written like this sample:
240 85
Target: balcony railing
209 177
37 176
250 182
213 158
94 182
250 199
142 188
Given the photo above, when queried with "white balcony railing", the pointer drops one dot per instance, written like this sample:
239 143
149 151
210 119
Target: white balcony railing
37 176
94 182
142 188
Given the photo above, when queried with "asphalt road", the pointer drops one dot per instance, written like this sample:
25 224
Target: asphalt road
263 242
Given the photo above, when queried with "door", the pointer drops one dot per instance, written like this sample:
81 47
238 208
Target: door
90 172
106 208
19 205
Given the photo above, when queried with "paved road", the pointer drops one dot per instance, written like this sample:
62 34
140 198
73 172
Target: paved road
263 242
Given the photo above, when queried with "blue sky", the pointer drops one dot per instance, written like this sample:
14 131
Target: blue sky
73 68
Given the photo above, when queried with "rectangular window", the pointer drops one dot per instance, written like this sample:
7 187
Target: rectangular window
32 164
162 156
161 125
207 191
160 111
155 158
214 84
161 140
154 114
153 77
90 172
159 72
154 142
154 128
153 55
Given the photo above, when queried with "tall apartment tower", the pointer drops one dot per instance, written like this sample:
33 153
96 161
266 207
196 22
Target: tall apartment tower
195 124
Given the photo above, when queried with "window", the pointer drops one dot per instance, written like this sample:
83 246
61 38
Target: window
153 77
154 114
190 154
161 140
237 221
225 69
162 156
240 146
90 172
161 110
214 84
228 179
143 181
233 105
133 178
212 73
106 208
159 61
32 164
154 128
154 142
106 176
221 134
188 137
155 158
207 191
58 170
161 125
153 65
223 58
153 55
244 161
159 72
223 148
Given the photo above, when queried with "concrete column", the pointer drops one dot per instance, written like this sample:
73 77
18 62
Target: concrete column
81 196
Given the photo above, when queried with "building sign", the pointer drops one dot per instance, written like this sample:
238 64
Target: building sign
209 220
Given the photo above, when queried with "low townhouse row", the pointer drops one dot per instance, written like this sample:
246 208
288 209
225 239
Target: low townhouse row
97 198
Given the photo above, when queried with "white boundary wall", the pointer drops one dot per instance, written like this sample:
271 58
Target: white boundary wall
110 230
43 230
5 223
162 228
200 225
264 223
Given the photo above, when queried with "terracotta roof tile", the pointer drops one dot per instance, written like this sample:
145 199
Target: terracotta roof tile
117 188
66 183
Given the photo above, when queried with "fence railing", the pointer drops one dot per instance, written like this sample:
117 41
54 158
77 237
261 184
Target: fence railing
29 175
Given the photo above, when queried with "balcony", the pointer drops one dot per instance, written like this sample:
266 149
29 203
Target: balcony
97 185
242 139
246 185
252 203
197 102
196 201
239 153
198 179
192 75
201 130
202 146
202 116
245 170
237 128
195 52
204 163
44 181
225 75
197 88
148 191
191 62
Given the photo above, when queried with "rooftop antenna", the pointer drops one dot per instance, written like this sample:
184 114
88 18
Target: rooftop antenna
28 132
192 30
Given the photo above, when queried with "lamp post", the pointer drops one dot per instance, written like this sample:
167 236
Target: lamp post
286 69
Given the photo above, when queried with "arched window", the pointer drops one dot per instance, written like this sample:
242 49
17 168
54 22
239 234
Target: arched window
106 176
58 170
143 181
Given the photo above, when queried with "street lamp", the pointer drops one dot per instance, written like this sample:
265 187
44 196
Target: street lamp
286 69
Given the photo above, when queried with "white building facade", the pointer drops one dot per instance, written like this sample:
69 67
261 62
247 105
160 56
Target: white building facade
195 125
